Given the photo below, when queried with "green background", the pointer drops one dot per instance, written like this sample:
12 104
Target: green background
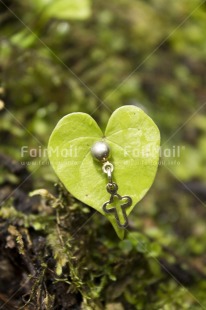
58 57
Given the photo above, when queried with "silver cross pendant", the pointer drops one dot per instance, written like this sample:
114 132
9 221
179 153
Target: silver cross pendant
119 214
101 151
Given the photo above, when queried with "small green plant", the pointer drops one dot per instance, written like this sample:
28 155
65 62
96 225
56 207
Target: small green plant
134 141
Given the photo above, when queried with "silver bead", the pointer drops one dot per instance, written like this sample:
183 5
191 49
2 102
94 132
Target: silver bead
100 150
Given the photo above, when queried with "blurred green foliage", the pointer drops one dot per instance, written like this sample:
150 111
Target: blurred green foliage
57 57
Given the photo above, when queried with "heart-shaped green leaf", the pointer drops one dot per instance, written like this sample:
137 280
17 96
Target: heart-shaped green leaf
134 142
